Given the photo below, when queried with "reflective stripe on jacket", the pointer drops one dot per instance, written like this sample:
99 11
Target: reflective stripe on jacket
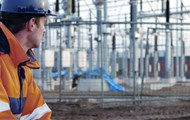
19 95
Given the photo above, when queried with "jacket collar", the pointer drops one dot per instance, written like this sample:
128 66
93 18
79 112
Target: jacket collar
17 53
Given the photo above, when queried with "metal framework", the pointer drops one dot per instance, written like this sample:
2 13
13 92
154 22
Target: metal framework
149 58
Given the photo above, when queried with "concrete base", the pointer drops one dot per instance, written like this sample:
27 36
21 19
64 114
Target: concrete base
184 83
157 86
153 83
92 85
130 81
181 79
67 85
48 85
171 81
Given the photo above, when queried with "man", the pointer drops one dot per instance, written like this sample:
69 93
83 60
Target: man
21 28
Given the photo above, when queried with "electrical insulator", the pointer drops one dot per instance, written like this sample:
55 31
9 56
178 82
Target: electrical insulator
57 6
167 11
113 42
71 6
156 42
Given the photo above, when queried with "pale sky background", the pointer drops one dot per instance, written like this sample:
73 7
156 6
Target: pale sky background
117 9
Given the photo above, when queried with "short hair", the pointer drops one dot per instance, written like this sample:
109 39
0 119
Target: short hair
16 22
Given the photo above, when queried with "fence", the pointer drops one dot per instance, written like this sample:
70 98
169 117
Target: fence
110 66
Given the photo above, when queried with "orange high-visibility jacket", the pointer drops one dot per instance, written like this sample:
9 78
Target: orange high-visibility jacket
19 95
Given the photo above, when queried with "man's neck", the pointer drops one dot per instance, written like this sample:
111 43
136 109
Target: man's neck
22 39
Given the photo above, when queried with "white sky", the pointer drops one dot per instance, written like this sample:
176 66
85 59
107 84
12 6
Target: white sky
118 8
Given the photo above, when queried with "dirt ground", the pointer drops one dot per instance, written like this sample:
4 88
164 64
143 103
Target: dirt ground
170 110
152 110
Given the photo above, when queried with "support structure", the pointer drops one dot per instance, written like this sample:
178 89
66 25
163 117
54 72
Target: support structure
125 54
156 55
168 43
113 56
105 58
182 49
133 44
99 36
177 46
91 44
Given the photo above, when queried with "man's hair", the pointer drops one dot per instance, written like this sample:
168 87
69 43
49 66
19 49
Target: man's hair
16 22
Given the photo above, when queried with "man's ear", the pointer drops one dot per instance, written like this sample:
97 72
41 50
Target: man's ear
31 24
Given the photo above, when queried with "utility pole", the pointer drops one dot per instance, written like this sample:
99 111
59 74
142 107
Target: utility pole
177 46
125 54
105 60
147 55
168 42
61 83
182 62
91 43
133 44
98 4
113 60
99 32
156 54
141 45
78 31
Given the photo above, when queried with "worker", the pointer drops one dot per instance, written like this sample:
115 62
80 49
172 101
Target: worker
22 27
75 81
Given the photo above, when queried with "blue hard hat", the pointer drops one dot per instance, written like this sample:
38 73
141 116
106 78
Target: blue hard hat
39 7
